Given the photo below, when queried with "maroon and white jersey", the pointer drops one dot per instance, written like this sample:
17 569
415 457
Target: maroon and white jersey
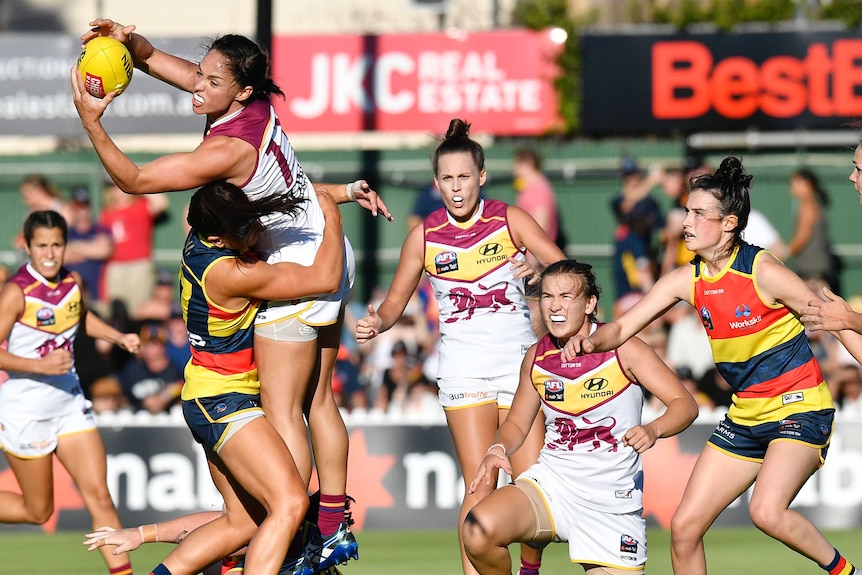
52 313
589 404
484 320
287 238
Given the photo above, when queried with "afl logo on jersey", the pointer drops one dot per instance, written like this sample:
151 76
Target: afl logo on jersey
45 316
446 262
554 390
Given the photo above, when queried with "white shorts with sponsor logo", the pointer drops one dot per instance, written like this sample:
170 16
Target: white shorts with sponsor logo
28 438
311 313
595 537
461 392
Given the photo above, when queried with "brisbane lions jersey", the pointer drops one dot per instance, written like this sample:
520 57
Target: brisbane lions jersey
484 320
589 404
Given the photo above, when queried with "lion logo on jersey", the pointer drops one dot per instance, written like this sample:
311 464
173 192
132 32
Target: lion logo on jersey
571 435
466 302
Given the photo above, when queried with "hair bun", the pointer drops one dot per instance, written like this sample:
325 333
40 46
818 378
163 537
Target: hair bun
458 129
732 172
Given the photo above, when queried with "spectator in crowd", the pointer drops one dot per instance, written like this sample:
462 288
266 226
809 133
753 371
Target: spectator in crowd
810 247
850 388
177 345
89 248
675 185
835 313
39 193
151 382
162 299
687 342
692 385
130 275
716 387
410 329
399 380
638 216
347 383
535 195
427 201
761 232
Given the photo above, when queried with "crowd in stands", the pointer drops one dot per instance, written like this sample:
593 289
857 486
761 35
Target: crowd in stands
393 376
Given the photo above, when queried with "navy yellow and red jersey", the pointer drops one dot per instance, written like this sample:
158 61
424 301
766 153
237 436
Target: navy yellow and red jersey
221 338
759 347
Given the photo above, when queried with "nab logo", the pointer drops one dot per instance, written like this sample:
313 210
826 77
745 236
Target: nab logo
742 310
596 384
490 249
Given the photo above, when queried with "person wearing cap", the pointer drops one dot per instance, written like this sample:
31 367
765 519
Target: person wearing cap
150 381
638 215
89 248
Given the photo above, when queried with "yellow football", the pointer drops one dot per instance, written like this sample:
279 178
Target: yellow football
106 66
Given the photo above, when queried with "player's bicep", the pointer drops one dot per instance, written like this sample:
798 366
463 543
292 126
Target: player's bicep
11 308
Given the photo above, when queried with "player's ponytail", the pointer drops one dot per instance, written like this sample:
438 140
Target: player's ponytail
222 209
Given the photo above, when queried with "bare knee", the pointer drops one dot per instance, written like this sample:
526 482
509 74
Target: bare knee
766 518
39 514
686 529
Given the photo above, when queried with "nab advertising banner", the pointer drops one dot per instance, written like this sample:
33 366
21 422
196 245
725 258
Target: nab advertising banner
406 477
713 82
500 81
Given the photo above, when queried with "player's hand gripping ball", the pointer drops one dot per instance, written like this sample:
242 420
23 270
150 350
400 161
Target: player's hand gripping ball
106 66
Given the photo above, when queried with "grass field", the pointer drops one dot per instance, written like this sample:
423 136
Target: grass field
729 551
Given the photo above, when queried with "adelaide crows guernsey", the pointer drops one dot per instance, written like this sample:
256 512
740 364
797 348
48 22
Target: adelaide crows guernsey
52 314
484 320
589 403
759 347
221 338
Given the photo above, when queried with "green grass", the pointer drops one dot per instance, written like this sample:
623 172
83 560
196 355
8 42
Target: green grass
729 552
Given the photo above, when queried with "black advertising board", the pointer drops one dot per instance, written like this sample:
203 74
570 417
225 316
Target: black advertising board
684 83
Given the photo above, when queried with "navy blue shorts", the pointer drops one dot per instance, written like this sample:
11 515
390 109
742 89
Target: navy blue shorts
213 420
813 428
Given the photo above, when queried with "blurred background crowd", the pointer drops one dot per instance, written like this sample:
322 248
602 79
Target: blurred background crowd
394 375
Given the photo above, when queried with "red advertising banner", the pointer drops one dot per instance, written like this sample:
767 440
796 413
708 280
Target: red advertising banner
500 81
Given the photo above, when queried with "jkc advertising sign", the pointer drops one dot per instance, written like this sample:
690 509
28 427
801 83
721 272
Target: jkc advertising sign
687 83
501 82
